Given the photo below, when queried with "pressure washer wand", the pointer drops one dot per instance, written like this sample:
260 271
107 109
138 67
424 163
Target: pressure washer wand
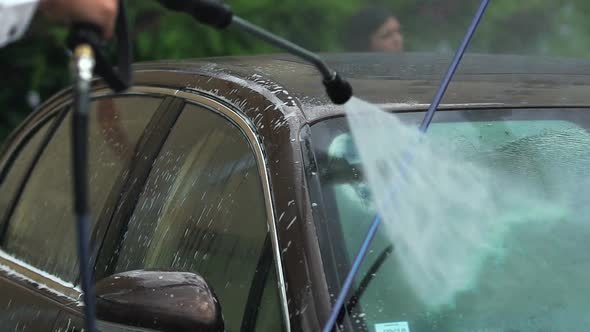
220 16
338 90
82 68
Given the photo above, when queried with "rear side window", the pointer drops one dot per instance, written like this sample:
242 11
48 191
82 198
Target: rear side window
41 231
14 176
202 210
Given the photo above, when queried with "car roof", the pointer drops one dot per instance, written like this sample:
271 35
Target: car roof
406 80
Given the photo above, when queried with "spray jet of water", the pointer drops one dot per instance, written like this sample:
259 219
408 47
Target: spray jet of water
340 300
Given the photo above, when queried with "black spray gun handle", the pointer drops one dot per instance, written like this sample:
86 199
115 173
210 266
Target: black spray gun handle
210 12
220 16
90 34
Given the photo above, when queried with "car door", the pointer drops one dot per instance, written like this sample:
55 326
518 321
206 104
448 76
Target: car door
204 209
38 257
39 312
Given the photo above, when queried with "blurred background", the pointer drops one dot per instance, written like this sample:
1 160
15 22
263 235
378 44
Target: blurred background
34 68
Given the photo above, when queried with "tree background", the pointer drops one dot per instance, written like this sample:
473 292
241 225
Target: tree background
34 68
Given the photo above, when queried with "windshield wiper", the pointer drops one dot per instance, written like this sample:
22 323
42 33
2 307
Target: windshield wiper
423 128
364 284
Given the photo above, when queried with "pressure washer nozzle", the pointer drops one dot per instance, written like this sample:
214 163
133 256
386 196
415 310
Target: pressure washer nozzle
338 89
83 50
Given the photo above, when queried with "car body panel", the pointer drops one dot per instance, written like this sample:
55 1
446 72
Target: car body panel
31 300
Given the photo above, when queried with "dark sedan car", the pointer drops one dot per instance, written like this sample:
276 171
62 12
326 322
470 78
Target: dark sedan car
231 168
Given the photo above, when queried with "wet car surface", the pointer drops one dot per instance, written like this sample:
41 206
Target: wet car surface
215 167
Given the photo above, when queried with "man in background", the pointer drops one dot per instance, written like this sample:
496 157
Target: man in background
374 30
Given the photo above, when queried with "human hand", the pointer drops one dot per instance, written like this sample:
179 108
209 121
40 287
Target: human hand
100 12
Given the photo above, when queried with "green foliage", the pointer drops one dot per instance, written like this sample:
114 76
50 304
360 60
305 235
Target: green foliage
552 27
35 64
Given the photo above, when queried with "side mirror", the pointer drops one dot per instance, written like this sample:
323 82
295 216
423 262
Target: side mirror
160 300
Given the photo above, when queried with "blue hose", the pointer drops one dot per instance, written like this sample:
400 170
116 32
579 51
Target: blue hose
423 128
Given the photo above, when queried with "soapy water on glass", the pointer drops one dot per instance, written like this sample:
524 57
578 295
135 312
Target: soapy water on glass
446 215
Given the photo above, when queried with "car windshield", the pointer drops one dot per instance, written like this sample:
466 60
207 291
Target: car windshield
540 280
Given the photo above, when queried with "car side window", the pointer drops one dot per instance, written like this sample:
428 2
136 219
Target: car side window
203 210
18 169
41 230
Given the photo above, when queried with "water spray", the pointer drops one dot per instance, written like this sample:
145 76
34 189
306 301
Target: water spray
359 258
